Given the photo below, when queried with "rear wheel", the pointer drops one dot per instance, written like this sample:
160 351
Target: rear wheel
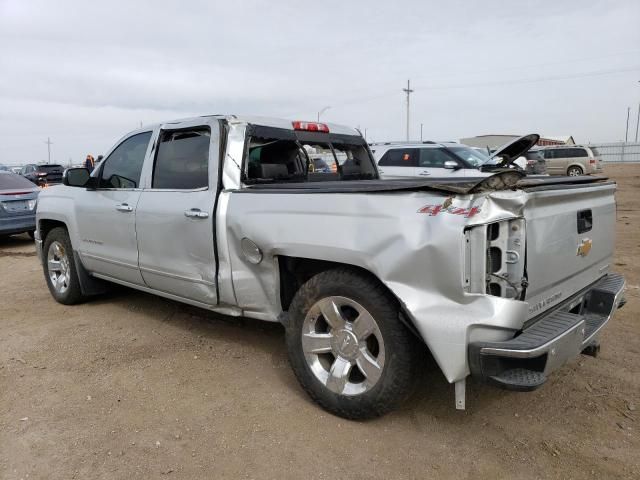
347 346
60 269
574 171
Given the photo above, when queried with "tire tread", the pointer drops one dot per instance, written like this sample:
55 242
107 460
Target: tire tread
396 387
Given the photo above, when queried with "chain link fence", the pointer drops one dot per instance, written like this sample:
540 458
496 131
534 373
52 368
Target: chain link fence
618 152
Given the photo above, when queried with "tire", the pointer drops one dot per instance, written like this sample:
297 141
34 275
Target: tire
574 171
352 367
58 263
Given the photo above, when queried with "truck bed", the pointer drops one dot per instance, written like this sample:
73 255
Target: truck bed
462 185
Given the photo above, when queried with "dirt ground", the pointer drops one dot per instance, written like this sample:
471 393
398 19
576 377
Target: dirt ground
134 386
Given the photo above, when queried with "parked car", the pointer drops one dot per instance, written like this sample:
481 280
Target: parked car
51 173
502 277
16 170
572 160
411 159
18 201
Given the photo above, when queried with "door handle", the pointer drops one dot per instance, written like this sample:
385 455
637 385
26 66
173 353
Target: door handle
424 173
124 207
195 213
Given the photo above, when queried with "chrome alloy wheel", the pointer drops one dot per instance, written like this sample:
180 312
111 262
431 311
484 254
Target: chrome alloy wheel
343 346
58 267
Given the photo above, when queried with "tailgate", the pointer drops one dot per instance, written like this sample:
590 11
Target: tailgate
570 241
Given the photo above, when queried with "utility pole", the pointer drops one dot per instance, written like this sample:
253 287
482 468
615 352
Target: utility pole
49 143
421 133
626 132
408 91
637 122
365 135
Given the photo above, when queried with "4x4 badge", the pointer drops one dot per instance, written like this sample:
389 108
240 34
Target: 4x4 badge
585 247
434 210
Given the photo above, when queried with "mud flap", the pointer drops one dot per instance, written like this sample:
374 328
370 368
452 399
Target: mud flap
88 285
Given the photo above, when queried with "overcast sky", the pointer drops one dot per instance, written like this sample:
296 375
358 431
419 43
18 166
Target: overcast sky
85 73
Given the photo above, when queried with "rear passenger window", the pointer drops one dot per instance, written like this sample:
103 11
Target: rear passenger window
576 152
398 157
182 160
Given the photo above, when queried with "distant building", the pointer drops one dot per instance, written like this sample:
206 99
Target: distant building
565 140
495 141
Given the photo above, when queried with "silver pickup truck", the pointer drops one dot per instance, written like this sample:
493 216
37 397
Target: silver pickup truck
503 277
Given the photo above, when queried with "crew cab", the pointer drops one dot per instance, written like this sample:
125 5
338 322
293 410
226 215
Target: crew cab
502 277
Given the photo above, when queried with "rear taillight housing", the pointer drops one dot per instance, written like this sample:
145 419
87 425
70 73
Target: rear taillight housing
593 161
495 257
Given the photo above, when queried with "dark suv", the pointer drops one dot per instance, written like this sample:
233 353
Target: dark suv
49 173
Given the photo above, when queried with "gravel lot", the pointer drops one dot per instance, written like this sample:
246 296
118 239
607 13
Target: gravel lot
134 386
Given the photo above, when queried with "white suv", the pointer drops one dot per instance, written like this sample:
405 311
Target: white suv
430 159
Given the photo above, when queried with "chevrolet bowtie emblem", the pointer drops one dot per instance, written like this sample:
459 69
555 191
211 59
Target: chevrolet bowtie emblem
585 247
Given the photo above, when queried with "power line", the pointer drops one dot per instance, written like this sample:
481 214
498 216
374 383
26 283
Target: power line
595 73
391 93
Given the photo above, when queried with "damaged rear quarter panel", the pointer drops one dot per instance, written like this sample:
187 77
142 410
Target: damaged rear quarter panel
419 257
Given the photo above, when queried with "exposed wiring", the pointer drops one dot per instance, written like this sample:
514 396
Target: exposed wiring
517 288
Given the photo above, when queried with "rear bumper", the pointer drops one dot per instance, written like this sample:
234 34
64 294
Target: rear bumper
524 362
21 224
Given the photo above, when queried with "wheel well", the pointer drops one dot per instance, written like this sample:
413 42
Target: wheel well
295 271
575 166
46 226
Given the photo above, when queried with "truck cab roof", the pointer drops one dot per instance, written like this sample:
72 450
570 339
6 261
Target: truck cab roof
272 122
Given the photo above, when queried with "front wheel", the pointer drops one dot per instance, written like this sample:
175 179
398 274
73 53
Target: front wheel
574 171
60 268
347 346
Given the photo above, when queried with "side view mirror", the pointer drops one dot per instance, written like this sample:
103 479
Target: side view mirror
451 165
76 177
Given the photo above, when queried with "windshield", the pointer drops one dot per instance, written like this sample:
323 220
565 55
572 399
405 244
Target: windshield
10 181
474 157
306 158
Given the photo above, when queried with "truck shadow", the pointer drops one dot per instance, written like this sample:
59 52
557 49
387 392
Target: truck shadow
433 396
22 240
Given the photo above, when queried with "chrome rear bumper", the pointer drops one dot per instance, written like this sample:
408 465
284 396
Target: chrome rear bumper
523 362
